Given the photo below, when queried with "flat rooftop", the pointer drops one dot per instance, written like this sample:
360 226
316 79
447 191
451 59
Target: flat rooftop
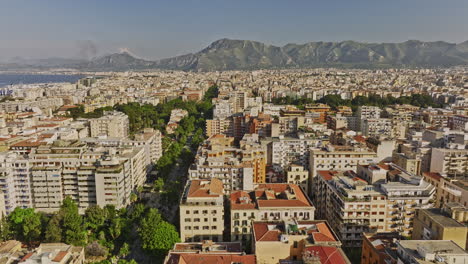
440 217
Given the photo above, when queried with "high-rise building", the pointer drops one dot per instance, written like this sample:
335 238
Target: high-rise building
112 124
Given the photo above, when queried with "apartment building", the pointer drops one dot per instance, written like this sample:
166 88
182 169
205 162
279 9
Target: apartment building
320 109
378 127
350 204
268 202
283 151
430 251
91 176
406 193
296 242
353 205
367 112
450 161
151 140
296 174
337 121
219 127
453 189
112 124
333 157
237 167
202 211
410 163
458 122
379 248
436 224
15 181
208 252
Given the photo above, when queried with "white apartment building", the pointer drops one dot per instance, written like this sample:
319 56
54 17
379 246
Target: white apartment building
353 205
367 112
350 205
112 124
339 158
450 161
283 151
14 181
378 128
237 168
267 202
202 211
90 176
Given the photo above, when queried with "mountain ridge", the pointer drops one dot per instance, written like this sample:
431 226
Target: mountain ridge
234 54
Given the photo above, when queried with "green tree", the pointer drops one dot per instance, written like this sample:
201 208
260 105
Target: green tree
5 229
73 228
157 235
94 217
124 250
53 232
26 223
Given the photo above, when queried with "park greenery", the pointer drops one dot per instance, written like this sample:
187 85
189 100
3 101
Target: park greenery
104 232
334 101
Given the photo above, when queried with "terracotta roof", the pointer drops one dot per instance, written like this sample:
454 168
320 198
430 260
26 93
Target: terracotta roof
200 188
60 256
270 190
27 256
240 203
190 258
327 255
434 175
327 174
263 234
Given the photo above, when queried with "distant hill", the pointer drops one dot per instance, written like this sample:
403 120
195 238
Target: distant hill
227 54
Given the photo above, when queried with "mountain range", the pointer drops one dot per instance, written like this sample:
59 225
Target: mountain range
228 54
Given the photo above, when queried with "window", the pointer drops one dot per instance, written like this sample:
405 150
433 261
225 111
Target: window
295 244
188 220
195 212
205 211
188 227
206 219
213 227
214 211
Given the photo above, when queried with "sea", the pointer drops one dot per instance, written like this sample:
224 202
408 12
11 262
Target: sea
14 78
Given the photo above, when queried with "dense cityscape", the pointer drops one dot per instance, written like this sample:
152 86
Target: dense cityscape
306 166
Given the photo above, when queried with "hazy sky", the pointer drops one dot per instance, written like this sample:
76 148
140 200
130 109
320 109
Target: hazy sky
159 29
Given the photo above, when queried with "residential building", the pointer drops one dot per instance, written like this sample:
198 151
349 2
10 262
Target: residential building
296 174
101 176
267 202
379 248
296 241
202 211
435 224
350 204
55 253
208 252
430 251
450 161
112 124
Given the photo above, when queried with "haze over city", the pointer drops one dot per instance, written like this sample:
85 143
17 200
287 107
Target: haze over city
162 29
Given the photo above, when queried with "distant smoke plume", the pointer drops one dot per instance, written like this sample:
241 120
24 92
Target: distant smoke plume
127 50
86 49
